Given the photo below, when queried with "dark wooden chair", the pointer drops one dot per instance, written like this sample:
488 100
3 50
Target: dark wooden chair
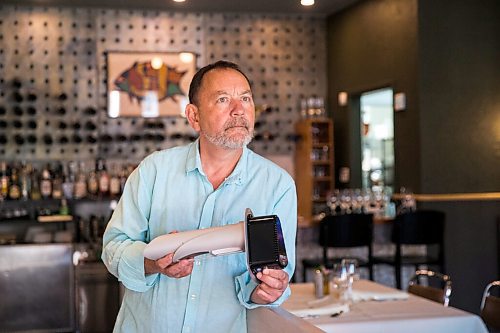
344 231
490 307
431 285
422 227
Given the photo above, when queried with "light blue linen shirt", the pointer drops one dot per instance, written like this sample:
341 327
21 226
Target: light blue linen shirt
169 191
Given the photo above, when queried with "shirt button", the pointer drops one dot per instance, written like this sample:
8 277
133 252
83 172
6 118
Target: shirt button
198 262
193 296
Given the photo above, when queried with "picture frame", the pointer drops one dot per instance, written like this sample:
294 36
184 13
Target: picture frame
148 84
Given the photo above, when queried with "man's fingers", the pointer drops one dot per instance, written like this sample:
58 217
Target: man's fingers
165 261
180 269
276 279
276 273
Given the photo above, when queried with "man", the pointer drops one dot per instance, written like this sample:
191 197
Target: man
205 184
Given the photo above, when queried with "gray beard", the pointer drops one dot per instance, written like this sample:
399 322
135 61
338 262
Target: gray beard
224 141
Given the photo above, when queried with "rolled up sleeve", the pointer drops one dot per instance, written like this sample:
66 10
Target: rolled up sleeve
126 235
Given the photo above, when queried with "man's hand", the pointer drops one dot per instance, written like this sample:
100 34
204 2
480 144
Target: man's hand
165 266
274 283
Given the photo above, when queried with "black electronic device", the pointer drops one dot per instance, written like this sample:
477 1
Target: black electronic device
264 243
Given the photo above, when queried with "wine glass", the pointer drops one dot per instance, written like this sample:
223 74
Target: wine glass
333 201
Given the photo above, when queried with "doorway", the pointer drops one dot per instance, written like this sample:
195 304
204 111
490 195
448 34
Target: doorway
377 139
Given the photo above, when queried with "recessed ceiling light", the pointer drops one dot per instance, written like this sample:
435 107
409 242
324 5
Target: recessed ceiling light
307 2
179 0
156 63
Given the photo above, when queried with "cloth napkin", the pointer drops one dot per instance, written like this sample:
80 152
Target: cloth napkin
363 295
326 306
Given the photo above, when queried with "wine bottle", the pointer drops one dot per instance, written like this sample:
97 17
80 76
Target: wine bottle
47 139
17 97
19 140
31 124
18 111
31 97
62 96
77 138
31 138
17 124
90 111
16 83
90 126
31 110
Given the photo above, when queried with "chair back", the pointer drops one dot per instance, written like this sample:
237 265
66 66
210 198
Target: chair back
490 307
349 230
431 285
419 227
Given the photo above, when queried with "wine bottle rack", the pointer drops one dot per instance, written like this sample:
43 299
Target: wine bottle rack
53 83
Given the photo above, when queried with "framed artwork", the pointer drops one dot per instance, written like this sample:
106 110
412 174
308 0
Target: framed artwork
148 84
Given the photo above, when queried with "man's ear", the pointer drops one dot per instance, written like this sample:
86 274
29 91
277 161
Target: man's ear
193 116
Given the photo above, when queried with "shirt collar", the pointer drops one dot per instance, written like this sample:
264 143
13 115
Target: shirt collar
239 174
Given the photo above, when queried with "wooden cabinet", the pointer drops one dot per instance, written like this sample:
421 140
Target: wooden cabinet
314 172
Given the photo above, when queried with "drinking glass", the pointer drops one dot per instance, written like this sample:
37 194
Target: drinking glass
340 280
351 267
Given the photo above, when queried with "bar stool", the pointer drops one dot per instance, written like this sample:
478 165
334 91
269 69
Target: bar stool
422 227
344 231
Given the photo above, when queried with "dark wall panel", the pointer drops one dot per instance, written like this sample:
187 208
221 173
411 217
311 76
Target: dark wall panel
460 99
372 45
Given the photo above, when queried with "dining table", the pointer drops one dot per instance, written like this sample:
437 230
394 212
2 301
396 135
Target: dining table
376 308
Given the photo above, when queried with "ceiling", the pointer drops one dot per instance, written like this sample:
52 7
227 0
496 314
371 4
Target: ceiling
321 7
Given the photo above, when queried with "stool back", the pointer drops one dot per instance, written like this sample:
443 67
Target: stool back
490 307
431 285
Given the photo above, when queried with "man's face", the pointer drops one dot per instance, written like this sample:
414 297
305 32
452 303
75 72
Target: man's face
225 111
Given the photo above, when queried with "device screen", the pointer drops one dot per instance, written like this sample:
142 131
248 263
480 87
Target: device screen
262 241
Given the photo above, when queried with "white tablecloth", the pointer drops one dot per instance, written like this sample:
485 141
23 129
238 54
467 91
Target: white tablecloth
414 314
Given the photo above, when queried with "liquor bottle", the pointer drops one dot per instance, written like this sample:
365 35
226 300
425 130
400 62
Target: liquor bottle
4 181
57 181
46 183
26 181
103 177
14 186
123 178
114 182
64 209
81 183
35 185
92 184
68 185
